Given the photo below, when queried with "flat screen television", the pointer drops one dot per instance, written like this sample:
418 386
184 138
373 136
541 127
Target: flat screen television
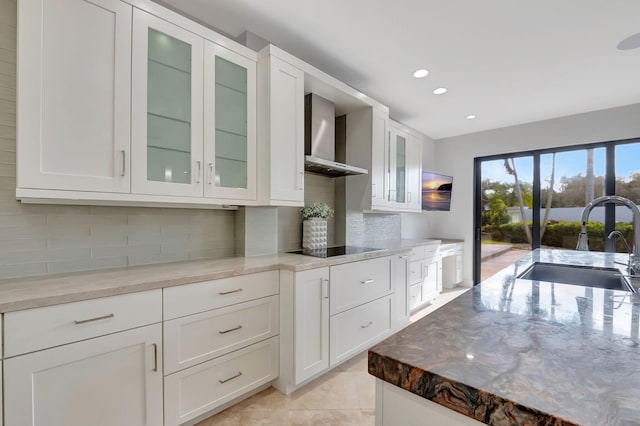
436 191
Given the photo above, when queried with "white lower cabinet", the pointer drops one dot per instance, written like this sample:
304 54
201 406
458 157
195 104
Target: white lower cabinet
329 314
425 275
221 342
105 381
197 390
400 283
311 322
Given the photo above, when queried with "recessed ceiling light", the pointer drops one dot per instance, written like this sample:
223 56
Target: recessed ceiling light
471 116
440 91
421 73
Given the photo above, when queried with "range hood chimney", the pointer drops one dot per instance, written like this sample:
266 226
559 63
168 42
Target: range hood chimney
320 139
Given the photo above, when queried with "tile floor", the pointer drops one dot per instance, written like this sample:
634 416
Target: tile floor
343 397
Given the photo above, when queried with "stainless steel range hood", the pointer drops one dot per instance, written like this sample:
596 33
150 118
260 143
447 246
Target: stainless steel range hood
320 139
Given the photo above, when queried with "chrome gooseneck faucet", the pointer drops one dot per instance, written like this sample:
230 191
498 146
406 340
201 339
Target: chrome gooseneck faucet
583 242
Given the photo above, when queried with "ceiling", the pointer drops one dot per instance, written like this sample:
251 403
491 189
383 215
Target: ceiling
506 61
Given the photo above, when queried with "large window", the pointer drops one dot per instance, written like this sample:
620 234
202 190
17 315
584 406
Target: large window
535 199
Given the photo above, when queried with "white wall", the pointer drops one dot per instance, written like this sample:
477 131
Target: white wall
455 158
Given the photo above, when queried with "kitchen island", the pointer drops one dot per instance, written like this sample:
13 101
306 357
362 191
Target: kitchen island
513 351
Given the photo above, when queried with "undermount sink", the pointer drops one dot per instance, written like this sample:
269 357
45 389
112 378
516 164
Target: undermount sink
589 276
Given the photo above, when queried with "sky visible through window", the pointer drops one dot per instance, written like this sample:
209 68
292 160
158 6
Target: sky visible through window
568 164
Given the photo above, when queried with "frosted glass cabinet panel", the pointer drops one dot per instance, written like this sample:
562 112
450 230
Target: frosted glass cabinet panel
397 194
230 117
401 168
167 95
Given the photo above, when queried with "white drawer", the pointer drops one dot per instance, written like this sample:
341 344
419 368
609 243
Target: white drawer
353 284
358 328
415 272
40 328
197 390
196 338
204 296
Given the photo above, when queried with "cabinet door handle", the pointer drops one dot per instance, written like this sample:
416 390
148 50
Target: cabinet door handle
408 196
123 162
369 281
84 321
237 290
198 170
325 288
425 271
300 180
231 378
374 190
155 357
210 173
369 324
230 330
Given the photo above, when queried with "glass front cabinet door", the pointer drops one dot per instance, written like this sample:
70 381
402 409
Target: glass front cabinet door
193 110
167 122
229 127
397 193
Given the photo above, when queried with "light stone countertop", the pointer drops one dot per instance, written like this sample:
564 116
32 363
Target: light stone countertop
515 351
32 292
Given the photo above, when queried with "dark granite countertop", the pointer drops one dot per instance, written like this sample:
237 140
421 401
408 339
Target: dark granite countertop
513 351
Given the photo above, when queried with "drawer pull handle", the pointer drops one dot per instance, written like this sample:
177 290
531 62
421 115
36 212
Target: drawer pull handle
222 293
155 357
403 257
369 324
369 281
325 288
231 378
230 330
93 319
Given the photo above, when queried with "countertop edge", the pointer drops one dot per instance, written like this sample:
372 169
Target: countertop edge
477 404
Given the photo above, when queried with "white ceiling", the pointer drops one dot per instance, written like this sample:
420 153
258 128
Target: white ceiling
507 61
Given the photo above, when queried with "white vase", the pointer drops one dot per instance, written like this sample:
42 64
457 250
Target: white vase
314 233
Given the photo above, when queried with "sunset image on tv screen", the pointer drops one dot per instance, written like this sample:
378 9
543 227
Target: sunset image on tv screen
436 191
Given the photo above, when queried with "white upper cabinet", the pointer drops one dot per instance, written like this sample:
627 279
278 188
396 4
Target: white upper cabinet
379 159
281 131
74 67
404 171
131 105
167 99
367 147
230 124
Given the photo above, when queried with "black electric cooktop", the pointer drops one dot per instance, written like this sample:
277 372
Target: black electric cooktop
335 251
